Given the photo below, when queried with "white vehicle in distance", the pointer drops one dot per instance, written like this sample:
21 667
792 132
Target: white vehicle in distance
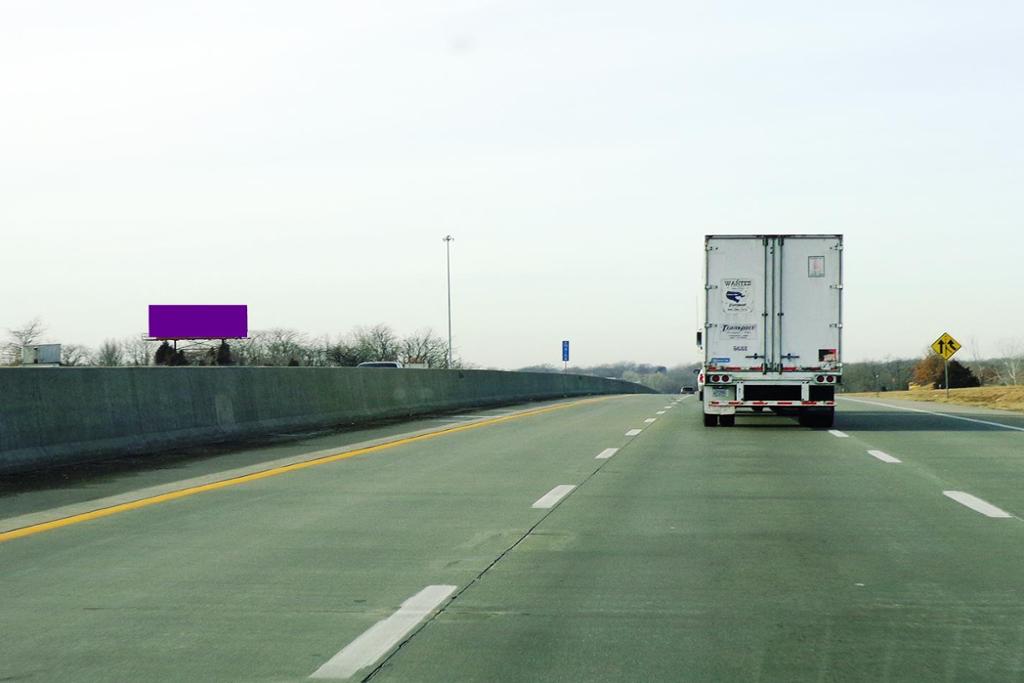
380 364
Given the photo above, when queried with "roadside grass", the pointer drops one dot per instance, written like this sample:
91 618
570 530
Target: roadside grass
1001 398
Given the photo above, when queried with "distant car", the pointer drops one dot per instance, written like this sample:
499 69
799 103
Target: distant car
380 364
687 390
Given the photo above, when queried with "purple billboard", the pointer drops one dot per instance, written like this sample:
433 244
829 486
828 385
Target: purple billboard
198 322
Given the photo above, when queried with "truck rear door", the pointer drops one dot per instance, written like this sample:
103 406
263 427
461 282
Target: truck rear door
808 314
736 304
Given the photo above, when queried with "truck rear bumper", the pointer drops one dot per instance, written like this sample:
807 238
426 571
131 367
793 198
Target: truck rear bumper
729 407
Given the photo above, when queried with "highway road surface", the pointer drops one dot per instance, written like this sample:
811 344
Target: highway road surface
596 539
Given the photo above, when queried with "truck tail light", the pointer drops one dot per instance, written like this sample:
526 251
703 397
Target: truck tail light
725 378
832 379
820 379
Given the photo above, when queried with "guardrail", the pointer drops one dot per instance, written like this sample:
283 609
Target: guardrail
66 415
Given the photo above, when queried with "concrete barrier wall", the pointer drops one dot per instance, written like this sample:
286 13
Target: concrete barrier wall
52 416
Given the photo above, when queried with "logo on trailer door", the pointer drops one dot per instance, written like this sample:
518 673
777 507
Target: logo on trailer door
738 295
746 331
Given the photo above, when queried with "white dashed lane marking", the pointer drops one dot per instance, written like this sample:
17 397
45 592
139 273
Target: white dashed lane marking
551 498
883 456
977 504
380 638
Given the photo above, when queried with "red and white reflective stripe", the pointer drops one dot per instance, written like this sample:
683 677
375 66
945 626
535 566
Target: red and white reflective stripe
772 403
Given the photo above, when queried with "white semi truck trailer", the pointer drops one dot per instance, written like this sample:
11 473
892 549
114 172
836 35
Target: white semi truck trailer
772 328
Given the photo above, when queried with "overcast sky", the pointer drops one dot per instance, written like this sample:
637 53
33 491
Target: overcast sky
307 158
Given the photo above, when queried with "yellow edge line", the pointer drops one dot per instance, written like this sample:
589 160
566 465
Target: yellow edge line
273 472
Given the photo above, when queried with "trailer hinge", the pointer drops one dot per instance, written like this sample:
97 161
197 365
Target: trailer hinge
708 326
836 286
710 287
836 325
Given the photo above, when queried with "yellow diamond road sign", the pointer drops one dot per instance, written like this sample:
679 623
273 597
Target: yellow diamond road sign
946 346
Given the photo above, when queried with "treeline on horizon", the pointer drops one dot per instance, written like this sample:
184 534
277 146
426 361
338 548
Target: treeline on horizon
891 374
289 347
272 347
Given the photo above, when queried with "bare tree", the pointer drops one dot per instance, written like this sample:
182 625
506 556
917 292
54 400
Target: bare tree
981 367
285 346
27 335
869 375
317 352
344 352
377 343
423 347
897 372
110 354
1011 366
137 351
245 350
277 346
75 354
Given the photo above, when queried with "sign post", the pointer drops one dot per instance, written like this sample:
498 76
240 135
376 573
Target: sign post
946 346
565 355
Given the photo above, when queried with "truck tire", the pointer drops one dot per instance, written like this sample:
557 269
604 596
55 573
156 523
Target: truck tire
710 420
727 420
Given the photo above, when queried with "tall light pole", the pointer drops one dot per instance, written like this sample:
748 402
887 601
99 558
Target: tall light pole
448 239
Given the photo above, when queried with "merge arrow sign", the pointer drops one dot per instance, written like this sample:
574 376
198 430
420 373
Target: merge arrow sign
946 346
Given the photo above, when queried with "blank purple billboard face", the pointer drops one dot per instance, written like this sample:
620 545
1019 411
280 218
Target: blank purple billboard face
198 322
